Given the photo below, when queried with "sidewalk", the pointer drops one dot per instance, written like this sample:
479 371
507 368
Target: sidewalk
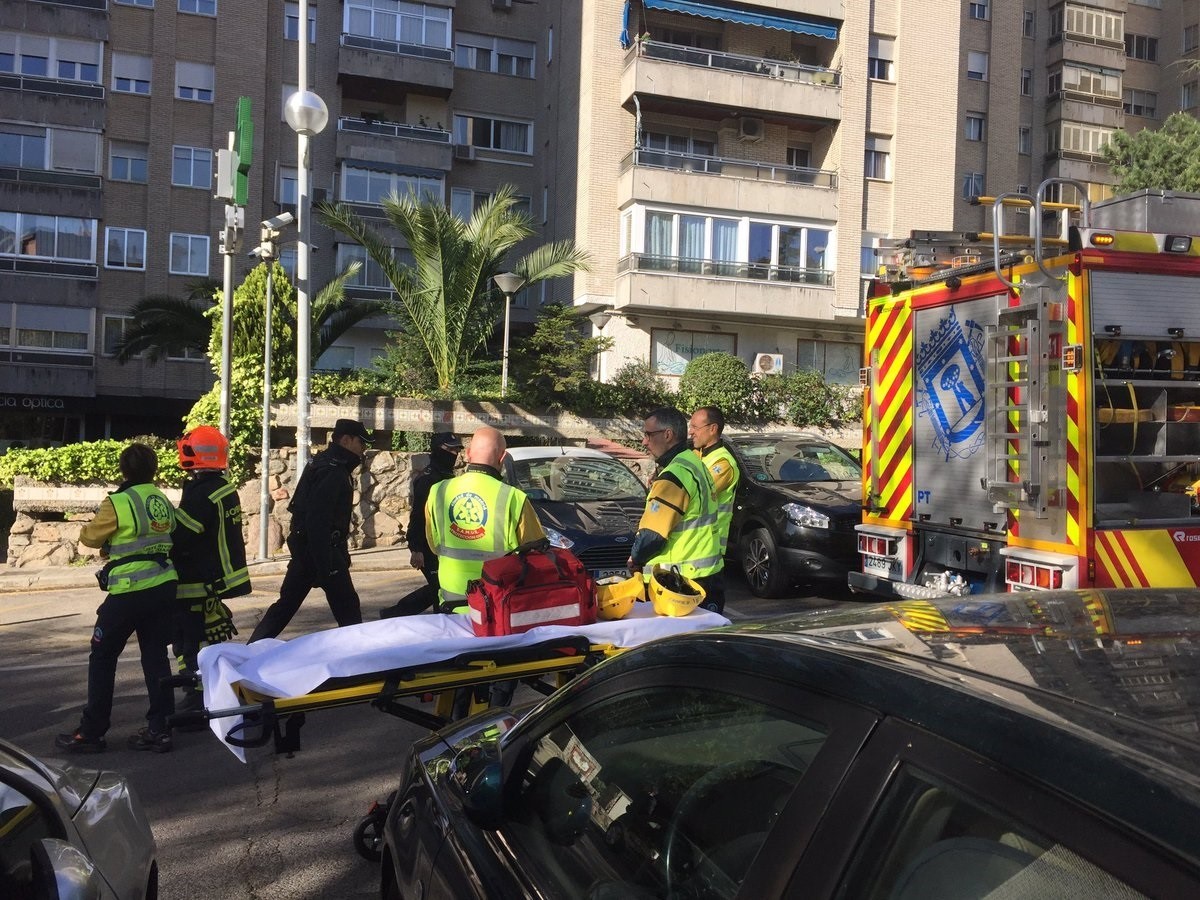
51 578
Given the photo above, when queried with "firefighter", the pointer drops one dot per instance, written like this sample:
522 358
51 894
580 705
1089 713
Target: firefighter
705 429
320 534
132 527
209 551
679 525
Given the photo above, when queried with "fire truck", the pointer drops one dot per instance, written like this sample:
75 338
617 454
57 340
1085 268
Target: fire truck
1031 413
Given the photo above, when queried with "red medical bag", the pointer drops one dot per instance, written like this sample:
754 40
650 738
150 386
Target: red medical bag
530 587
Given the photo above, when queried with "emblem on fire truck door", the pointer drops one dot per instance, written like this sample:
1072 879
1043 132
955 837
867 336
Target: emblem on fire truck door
950 385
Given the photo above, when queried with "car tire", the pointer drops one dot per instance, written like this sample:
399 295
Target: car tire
761 564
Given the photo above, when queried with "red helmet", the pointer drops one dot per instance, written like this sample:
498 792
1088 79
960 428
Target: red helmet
203 447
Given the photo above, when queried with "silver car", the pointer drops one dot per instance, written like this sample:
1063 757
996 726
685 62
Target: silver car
71 833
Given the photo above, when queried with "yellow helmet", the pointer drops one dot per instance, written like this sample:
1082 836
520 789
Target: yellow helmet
673 594
615 598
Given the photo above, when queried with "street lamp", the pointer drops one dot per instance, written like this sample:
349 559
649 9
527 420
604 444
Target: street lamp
307 115
509 284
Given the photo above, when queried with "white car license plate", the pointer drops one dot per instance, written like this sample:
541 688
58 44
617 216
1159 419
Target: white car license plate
881 566
597 574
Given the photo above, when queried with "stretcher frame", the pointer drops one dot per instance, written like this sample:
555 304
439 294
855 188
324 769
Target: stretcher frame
267 719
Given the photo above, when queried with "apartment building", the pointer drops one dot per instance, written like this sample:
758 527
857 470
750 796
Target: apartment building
729 166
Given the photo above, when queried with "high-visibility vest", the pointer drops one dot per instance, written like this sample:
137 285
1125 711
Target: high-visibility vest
721 454
694 545
230 577
473 518
145 519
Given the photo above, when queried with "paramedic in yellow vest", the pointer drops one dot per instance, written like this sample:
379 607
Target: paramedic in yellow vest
679 526
475 517
705 428
132 527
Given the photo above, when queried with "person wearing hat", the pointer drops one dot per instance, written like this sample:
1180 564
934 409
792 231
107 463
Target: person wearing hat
320 533
444 448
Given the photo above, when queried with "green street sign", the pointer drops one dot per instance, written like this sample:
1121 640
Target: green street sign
243 145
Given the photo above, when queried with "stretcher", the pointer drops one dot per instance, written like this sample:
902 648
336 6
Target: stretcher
258 693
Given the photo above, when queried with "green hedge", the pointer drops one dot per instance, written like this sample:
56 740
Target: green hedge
93 462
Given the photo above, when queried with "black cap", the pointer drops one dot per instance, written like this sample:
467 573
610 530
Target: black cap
444 439
351 428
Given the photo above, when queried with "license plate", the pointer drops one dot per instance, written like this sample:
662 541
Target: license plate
882 566
597 574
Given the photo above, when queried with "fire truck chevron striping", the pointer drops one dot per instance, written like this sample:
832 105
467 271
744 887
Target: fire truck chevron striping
1033 423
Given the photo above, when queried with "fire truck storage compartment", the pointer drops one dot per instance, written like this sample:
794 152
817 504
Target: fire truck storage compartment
968 556
1146 396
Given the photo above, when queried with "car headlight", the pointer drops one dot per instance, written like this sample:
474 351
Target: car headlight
558 539
805 515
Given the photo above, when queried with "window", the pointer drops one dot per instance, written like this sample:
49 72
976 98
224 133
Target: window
1029 23
287 186
194 81
288 90
1027 82
1188 95
131 73
494 134
1138 46
148 4
464 202
64 238
1087 22
22 146
371 274
287 259
977 65
50 57
49 149
189 254
49 328
199 7
1076 138
363 185
978 9
336 359
1141 103
415 24
186 353
1025 140
128 162
191 167
125 248
1082 80
879 158
494 54
880 56
972 185
78 60
975 126
291 22
1191 38
660 761
114 329
838 361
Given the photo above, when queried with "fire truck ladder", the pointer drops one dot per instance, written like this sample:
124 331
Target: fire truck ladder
1036 239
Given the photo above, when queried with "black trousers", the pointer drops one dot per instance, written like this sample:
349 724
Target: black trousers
149 614
415 601
300 579
714 591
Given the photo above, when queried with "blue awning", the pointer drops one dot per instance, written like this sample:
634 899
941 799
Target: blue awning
625 27
743 17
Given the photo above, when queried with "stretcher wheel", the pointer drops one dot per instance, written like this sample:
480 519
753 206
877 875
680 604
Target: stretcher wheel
368 834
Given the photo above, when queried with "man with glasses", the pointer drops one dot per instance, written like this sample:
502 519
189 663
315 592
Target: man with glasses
705 429
679 526
320 533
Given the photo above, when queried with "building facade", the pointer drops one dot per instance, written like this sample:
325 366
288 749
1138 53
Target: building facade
729 166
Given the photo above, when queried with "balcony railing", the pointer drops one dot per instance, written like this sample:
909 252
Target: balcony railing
682 265
27 266
48 358
393 129
10 81
1076 155
82 4
1085 97
362 42
50 179
734 168
733 62
1080 38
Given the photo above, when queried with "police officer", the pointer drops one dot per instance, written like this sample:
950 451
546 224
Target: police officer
320 533
705 428
678 527
444 448
475 517
132 527
209 551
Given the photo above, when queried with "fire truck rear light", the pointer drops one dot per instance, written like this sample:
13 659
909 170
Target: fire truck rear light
1043 577
1056 578
1027 574
1012 572
873 545
1033 575
1102 239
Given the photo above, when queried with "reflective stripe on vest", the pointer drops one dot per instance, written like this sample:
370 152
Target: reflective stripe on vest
145 518
693 545
229 546
460 557
725 497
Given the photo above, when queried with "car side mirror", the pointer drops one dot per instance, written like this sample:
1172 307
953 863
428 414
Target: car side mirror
62 872
478 779
561 801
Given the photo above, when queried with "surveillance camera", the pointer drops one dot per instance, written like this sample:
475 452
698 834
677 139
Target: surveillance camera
279 221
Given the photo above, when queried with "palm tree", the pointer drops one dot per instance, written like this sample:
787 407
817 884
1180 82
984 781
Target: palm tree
445 297
165 325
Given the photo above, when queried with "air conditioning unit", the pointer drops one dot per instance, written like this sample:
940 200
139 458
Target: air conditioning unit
766 362
502 4
464 152
751 131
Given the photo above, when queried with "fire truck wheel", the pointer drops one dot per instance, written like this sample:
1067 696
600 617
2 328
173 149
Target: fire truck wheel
761 564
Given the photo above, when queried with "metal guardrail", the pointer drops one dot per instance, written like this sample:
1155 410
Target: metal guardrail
362 42
682 265
25 266
100 5
36 84
393 129
735 62
50 179
733 168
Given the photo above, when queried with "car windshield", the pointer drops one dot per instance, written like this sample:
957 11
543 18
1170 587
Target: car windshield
789 459
574 479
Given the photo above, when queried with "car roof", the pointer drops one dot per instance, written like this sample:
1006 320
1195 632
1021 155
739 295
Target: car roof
523 453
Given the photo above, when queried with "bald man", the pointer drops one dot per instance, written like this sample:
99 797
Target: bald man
475 517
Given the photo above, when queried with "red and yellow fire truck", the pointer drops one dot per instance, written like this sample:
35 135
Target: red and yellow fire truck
1033 421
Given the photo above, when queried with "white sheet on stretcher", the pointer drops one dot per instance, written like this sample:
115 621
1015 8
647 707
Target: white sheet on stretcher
296 667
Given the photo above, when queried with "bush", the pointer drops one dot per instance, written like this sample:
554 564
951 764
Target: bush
717 379
93 462
813 402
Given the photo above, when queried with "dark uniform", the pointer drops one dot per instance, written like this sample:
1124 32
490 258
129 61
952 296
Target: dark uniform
319 542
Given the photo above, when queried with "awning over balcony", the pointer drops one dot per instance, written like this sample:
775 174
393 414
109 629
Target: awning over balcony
743 17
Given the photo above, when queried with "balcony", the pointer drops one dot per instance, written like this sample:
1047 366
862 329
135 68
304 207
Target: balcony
428 148
665 177
61 87
99 5
45 178
413 65
771 86
21 265
1082 48
1091 109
